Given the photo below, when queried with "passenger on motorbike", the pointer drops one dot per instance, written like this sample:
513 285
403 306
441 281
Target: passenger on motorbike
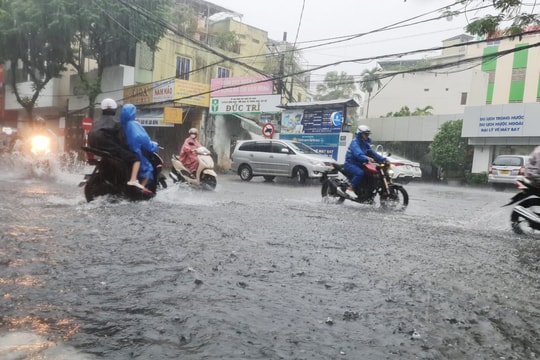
187 153
138 140
107 134
359 153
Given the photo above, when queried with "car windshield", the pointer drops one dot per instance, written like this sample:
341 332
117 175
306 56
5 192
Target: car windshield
302 148
508 161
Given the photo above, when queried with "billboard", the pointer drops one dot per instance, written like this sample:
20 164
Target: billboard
241 86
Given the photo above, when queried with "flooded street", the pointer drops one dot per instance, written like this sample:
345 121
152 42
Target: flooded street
261 271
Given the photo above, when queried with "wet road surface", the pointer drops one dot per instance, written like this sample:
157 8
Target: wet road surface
262 271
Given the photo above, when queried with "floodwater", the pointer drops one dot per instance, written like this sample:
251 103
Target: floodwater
260 271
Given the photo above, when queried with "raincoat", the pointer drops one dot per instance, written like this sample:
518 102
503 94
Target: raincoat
357 154
188 158
138 139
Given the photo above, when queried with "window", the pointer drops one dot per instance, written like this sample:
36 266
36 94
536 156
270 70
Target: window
223 72
463 98
183 67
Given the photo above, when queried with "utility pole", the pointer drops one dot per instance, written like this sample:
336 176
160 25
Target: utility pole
281 86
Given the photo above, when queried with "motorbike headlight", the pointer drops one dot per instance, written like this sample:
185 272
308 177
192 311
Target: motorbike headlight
40 143
390 171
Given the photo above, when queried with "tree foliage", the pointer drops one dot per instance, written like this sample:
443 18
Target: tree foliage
44 36
370 80
507 11
336 86
449 149
35 44
405 111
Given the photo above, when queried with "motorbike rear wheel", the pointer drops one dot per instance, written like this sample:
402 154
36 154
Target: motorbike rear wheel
398 199
329 194
520 225
96 186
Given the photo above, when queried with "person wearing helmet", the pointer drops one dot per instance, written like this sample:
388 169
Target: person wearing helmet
188 158
138 141
39 128
359 153
107 134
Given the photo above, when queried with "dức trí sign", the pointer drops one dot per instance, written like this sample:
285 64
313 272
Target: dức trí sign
508 120
245 104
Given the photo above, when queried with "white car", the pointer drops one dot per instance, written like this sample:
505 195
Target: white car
404 170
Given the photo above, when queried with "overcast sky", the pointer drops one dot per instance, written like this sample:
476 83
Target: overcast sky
339 18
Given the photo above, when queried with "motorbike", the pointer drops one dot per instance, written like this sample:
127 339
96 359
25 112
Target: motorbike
377 181
525 216
204 177
111 174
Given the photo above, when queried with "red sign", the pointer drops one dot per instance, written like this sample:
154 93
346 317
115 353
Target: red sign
87 123
268 130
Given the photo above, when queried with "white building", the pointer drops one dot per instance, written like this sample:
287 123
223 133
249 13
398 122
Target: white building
497 97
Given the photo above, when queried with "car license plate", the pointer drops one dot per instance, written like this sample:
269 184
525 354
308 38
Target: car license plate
504 172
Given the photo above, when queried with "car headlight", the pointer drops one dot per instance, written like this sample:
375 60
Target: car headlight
316 163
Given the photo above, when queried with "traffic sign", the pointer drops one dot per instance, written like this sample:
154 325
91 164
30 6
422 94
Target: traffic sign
87 123
268 130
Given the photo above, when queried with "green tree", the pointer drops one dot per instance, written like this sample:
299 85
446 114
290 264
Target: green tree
109 31
422 112
370 80
449 149
35 45
507 11
336 86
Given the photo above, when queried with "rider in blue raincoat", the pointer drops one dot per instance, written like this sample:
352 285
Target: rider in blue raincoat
138 139
359 153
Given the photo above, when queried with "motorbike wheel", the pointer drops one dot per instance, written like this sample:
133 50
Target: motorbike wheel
398 199
521 225
209 182
96 186
330 195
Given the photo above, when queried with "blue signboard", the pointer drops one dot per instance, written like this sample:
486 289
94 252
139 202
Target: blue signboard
325 144
322 120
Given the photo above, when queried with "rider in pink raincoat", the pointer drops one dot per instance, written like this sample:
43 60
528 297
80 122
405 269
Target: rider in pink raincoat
188 158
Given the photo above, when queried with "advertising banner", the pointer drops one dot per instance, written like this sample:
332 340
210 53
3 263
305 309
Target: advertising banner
151 117
139 94
191 93
325 144
164 91
245 104
241 86
508 120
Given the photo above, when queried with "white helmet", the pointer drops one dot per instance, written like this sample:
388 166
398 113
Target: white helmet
193 131
363 129
108 104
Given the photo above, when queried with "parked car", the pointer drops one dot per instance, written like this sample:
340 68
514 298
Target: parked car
270 158
506 169
404 170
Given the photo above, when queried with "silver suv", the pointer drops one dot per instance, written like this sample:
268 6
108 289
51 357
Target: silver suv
506 169
270 158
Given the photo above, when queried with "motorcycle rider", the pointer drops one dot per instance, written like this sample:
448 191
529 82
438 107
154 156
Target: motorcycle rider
108 135
39 128
532 168
188 158
138 140
359 153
